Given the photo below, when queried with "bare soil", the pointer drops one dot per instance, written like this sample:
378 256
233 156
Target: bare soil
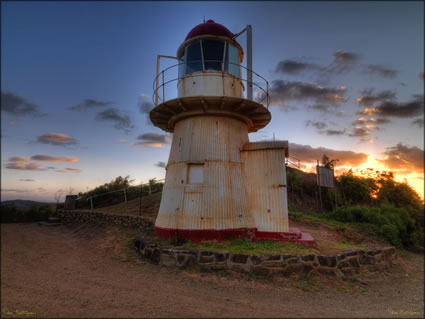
89 272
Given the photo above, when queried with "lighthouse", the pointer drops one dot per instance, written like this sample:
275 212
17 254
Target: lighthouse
218 184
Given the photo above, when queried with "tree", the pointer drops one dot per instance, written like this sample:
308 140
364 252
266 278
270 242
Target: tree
58 195
328 163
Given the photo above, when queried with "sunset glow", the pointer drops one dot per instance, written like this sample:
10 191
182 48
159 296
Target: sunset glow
345 79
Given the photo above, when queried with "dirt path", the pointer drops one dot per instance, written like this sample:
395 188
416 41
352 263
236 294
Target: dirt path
64 272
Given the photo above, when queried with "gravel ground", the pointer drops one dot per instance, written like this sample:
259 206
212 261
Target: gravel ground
87 272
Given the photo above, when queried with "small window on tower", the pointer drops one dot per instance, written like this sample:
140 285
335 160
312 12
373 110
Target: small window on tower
195 173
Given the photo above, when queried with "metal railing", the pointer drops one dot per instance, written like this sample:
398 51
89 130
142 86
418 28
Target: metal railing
291 160
263 94
134 192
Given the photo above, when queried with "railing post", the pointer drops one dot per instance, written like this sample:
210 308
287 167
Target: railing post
140 200
157 80
91 203
125 196
163 87
249 60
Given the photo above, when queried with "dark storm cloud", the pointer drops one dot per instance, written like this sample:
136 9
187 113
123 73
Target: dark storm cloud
409 109
56 139
122 122
153 140
404 156
418 122
421 75
359 131
282 91
369 99
26 180
295 67
89 104
306 153
19 106
317 124
161 164
380 70
25 166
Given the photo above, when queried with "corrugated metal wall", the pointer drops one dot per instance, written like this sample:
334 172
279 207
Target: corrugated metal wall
220 202
265 175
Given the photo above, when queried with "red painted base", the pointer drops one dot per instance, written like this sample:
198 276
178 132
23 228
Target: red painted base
294 235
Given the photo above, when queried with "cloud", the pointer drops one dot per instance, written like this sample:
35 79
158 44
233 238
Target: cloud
343 62
153 140
306 153
369 99
56 139
418 122
294 67
19 159
359 131
282 91
19 106
404 156
412 108
24 166
381 121
380 70
121 121
67 169
334 132
161 164
89 104
145 104
13 190
421 75
46 158
26 180
317 124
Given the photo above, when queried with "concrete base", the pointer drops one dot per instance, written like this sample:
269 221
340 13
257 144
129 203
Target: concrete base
294 235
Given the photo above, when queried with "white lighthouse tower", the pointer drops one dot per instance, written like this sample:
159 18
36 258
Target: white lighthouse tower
218 184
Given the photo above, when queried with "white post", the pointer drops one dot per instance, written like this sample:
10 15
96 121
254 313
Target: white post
249 60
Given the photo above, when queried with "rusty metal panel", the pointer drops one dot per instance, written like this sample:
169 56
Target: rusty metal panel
172 196
210 83
265 176
208 138
220 201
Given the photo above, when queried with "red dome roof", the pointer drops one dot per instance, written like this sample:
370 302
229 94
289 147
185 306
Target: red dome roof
209 28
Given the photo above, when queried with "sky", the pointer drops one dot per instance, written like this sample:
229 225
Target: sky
346 80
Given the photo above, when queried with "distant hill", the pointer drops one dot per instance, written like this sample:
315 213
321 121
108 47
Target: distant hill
25 204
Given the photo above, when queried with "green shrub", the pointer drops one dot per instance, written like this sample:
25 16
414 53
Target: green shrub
391 233
391 223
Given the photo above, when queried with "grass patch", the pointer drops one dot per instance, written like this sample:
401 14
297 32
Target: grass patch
244 246
323 219
345 245
307 284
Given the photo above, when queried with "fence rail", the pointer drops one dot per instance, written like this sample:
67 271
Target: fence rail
121 196
263 94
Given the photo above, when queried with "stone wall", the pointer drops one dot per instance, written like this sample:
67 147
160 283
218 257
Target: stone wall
99 218
340 265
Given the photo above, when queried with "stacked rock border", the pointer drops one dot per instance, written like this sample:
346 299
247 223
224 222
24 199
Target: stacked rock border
105 219
340 265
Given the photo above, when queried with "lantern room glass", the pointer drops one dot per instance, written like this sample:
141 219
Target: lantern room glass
206 55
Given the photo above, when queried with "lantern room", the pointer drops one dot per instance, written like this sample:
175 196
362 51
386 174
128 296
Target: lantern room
210 61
